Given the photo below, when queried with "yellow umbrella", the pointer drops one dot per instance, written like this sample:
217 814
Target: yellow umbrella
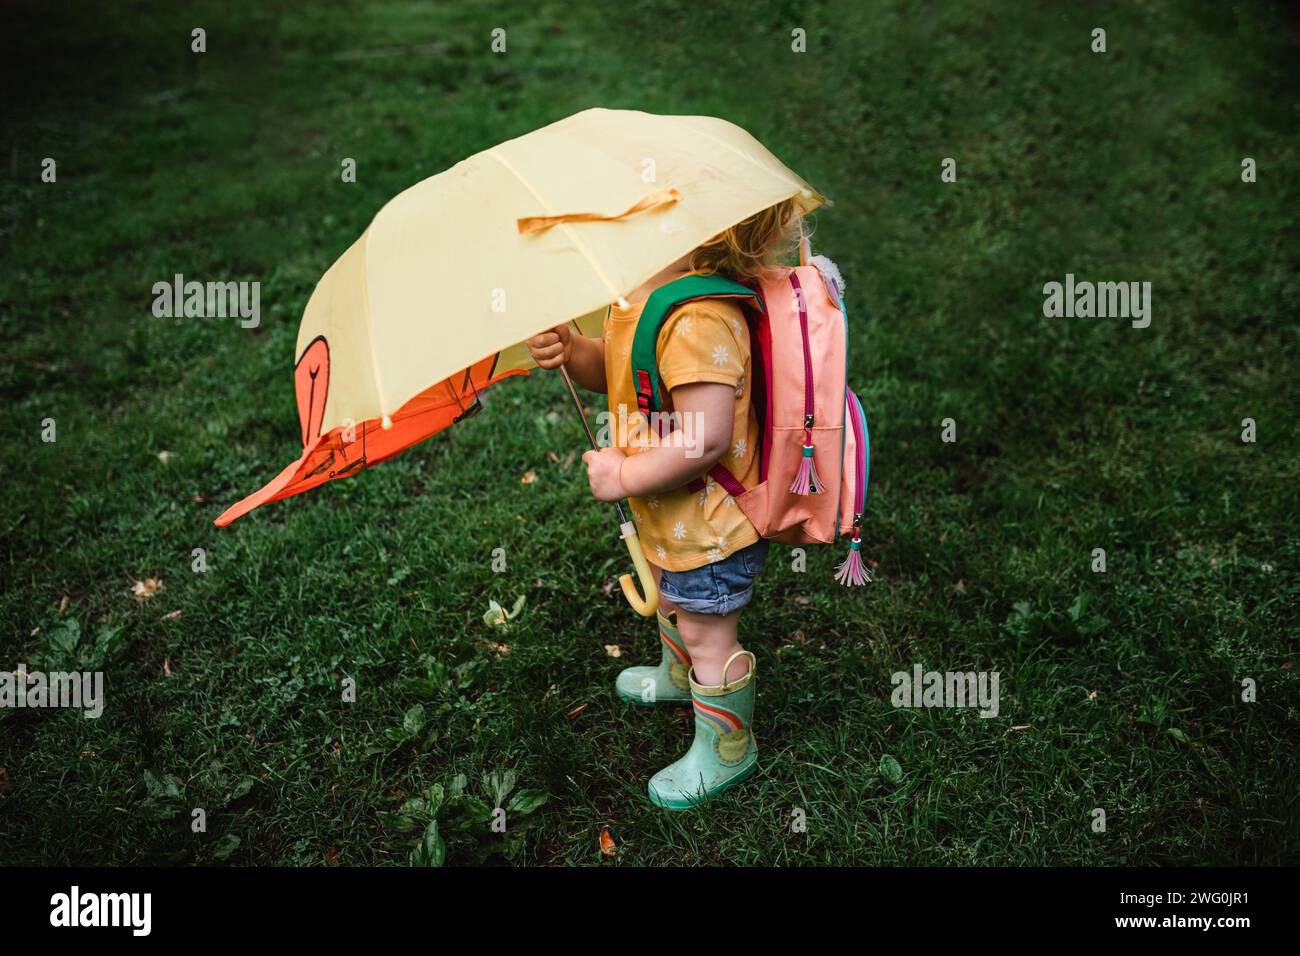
434 301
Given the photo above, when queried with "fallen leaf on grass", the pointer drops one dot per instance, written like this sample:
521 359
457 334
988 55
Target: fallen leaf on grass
576 711
608 587
172 615
497 616
613 650
607 845
332 856
63 605
529 477
165 456
167 668
553 457
144 590
496 647
1016 727
1092 695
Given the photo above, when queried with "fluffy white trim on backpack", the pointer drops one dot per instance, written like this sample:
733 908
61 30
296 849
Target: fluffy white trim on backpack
830 274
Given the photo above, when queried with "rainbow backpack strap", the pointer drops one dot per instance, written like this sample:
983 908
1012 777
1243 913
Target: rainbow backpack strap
662 302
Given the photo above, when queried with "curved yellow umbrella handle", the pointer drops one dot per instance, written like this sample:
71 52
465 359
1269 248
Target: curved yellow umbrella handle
645 606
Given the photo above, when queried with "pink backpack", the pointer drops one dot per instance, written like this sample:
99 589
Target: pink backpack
815 454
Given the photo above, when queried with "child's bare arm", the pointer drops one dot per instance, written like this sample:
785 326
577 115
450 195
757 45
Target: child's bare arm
584 356
669 466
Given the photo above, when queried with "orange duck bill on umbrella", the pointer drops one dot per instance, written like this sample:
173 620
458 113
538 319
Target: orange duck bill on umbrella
347 450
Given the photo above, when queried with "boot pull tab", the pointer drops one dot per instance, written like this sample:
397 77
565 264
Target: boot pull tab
726 668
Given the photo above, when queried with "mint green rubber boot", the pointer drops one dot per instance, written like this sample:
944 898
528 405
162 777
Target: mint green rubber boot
724 751
669 683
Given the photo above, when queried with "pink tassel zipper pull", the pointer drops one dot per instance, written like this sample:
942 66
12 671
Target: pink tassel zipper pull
853 572
806 480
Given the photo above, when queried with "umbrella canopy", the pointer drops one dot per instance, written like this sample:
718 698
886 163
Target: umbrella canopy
433 302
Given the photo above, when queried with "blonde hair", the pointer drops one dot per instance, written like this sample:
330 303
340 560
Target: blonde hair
752 246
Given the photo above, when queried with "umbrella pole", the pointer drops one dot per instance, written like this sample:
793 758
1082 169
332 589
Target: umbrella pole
648 605
591 436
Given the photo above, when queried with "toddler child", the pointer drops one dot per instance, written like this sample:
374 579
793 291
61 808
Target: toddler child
704 552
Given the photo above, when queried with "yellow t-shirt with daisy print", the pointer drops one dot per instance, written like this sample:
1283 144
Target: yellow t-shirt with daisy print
706 340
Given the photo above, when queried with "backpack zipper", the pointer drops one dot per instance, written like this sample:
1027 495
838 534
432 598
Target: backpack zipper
807 481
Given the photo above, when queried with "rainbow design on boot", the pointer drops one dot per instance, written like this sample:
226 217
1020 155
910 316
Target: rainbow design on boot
724 720
673 644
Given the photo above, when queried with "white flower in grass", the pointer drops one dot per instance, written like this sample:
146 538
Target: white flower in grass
720 355
659 550
741 448
715 554
679 531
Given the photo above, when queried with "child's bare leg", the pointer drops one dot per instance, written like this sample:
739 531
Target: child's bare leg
711 640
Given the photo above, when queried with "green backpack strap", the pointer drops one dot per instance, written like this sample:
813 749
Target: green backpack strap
662 302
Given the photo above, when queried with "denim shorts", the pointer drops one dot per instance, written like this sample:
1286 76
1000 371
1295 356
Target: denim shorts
718 588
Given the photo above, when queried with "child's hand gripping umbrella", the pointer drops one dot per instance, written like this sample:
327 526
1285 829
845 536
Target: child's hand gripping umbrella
435 301
645 606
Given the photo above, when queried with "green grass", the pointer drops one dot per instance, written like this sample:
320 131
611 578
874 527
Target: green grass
1119 690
